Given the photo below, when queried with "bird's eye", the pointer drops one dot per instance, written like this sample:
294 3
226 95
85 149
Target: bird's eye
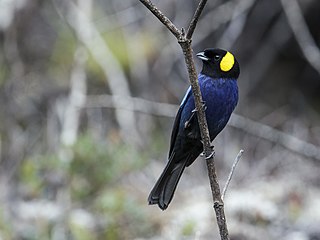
216 57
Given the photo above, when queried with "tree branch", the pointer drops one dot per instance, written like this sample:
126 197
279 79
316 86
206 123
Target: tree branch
234 165
194 21
166 21
185 43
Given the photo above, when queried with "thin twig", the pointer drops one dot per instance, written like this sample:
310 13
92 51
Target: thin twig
194 21
234 165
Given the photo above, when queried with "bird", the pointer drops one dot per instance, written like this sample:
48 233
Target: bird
219 90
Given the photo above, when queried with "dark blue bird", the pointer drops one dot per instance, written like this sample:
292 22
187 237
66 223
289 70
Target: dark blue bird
219 89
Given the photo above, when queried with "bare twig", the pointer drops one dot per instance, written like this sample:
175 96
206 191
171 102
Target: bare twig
301 32
185 44
234 165
194 21
166 21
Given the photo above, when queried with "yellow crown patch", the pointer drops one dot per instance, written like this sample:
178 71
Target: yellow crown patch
227 62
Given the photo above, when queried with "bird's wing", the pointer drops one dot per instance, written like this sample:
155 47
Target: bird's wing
176 124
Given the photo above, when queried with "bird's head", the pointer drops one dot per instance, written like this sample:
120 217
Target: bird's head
219 63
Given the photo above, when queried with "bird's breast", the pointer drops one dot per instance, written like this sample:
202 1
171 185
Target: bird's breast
220 97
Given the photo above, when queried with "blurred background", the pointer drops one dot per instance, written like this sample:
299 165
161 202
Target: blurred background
89 91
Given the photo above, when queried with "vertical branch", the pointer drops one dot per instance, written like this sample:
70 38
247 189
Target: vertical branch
185 43
187 51
204 131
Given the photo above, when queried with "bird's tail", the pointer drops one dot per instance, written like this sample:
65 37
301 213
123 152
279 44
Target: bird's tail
164 188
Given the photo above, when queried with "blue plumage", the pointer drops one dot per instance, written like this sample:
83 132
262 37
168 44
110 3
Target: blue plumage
219 89
220 97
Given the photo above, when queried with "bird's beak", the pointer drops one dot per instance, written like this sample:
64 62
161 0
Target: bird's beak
202 56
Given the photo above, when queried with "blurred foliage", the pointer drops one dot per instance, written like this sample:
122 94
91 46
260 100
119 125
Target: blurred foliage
117 43
95 179
62 55
106 163
188 228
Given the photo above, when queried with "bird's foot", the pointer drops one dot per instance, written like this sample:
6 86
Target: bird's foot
212 151
203 107
210 156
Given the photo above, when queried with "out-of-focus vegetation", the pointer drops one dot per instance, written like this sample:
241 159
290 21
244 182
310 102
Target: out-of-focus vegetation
96 198
88 92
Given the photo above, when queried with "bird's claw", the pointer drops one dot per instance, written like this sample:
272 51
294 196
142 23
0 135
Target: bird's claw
210 156
204 106
212 151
